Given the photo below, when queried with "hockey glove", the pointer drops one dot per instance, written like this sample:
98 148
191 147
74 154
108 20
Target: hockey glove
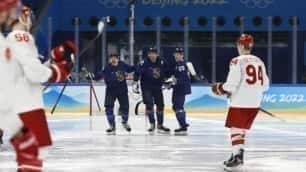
171 81
217 88
62 61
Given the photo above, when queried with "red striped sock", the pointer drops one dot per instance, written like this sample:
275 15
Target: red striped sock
237 139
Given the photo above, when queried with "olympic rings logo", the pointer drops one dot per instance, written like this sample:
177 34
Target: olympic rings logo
257 3
114 3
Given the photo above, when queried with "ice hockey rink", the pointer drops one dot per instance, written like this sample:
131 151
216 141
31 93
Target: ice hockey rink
80 144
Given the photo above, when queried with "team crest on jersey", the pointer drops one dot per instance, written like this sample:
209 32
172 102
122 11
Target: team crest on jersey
180 68
156 73
120 75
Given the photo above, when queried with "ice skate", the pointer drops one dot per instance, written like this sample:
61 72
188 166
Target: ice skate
111 130
234 162
163 130
181 131
151 129
127 127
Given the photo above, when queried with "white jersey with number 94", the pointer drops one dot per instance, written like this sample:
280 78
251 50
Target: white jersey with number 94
246 81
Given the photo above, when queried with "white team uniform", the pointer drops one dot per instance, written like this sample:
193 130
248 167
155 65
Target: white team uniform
246 81
30 73
9 120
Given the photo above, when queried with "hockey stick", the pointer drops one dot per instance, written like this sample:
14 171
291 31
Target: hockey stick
59 97
137 107
100 30
41 16
271 114
93 89
95 95
138 104
203 78
101 27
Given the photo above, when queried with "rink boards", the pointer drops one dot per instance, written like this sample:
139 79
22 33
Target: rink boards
279 98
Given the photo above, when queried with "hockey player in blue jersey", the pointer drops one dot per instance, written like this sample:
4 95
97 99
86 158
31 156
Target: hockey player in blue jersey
180 81
114 75
152 72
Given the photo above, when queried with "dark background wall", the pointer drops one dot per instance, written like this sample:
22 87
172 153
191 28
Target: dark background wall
171 12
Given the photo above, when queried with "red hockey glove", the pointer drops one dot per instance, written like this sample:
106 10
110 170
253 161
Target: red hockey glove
62 61
64 52
60 71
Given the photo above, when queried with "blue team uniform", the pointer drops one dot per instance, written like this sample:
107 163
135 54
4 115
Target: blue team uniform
152 76
116 88
180 90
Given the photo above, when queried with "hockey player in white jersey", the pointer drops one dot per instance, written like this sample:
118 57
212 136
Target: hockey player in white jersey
245 84
21 89
26 155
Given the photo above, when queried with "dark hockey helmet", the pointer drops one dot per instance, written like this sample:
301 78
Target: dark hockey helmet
114 55
152 50
179 50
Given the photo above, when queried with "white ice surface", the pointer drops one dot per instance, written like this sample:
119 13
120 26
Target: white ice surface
272 146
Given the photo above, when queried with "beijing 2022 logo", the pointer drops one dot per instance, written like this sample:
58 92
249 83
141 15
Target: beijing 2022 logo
257 3
114 3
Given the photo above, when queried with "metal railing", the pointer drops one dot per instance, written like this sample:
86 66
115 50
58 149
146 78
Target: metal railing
268 41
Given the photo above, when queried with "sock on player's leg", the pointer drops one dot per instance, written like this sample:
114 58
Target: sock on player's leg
160 118
160 121
110 116
181 118
27 151
150 115
111 121
125 118
238 140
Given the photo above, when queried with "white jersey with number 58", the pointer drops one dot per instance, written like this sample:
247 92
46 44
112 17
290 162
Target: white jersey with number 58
30 73
246 81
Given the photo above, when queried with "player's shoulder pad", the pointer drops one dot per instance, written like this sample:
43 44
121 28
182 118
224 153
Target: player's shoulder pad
234 61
